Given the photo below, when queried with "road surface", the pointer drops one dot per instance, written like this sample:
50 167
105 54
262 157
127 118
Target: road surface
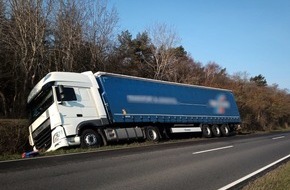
205 164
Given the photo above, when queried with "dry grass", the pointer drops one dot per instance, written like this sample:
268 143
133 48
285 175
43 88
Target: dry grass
278 179
13 136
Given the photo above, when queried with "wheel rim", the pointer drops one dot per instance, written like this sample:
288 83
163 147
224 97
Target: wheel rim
152 134
226 130
90 139
217 130
207 131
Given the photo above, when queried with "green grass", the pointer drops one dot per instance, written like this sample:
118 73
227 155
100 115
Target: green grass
7 156
278 179
124 145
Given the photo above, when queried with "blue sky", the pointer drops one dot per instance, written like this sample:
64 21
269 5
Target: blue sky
250 36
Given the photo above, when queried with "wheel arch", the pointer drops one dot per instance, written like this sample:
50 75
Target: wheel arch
90 124
96 125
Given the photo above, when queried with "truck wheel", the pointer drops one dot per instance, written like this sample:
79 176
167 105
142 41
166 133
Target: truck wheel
206 132
225 130
152 134
90 139
216 130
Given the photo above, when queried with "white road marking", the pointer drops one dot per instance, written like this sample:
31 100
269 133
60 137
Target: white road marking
253 174
210 150
281 137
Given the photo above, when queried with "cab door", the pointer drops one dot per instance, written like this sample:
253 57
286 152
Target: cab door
70 108
76 105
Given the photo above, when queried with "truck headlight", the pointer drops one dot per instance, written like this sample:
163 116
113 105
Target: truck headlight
59 134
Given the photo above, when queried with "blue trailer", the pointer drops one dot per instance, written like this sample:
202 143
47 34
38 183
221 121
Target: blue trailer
166 105
132 99
92 109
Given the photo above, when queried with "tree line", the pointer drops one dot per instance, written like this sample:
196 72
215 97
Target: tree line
40 36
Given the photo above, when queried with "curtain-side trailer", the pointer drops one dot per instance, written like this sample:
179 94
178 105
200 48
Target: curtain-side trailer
68 109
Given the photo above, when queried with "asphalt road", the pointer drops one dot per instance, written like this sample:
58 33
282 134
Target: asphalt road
206 164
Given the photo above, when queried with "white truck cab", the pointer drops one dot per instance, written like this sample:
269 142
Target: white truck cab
58 105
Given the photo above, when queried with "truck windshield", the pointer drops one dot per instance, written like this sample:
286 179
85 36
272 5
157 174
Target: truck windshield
40 104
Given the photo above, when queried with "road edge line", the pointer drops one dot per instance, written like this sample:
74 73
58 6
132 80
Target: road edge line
253 174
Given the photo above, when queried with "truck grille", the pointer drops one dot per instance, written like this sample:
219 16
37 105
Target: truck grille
42 136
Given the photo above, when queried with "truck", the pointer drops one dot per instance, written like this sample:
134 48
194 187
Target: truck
93 109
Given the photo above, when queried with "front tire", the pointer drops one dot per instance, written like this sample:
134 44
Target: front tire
90 139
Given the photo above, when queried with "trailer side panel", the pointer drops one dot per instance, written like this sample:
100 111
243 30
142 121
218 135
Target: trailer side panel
130 99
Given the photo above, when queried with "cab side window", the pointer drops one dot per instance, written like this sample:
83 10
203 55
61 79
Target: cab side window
69 94
66 94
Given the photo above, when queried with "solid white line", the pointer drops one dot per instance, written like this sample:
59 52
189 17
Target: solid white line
210 150
252 174
275 138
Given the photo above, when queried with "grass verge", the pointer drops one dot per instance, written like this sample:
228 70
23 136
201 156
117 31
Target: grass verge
278 179
124 145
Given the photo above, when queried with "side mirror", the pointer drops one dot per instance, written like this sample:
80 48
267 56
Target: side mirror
60 94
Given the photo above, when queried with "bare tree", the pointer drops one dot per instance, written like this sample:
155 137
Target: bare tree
2 73
67 34
100 32
164 39
215 75
25 38
39 36
82 27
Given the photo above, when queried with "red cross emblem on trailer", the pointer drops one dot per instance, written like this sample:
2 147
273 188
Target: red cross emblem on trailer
220 104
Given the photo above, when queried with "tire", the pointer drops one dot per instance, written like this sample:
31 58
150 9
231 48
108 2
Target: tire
152 134
225 130
206 132
90 139
216 130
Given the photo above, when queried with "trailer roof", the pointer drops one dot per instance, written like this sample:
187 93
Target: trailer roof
99 74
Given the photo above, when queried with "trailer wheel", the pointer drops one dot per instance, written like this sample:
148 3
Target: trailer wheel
225 130
152 134
216 130
206 132
90 139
